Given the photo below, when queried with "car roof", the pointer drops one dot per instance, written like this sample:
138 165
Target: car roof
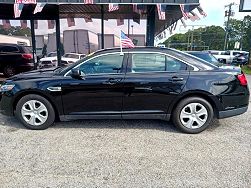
200 64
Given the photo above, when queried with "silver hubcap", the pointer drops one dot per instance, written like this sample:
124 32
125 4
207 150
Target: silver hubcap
194 115
34 112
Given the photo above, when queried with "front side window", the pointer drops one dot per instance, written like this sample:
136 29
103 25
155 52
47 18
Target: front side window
148 62
111 63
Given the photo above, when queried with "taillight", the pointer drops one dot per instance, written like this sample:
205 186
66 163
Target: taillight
27 56
243 80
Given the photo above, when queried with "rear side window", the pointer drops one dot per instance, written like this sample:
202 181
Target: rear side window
155 62
148 62
9 49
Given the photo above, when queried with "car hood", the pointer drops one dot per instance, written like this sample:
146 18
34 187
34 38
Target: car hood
48 59
69 59
42 73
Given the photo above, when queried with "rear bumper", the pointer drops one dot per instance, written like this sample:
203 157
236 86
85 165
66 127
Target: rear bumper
233 112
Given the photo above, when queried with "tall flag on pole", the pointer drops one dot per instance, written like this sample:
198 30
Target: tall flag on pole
70 22
201 11
88 1
35 24
6 24
185 11
39 7
120 21
161 11
113 7
18 7
125 41
51 24
23 24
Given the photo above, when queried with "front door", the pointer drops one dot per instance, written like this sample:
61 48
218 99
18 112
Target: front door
100 91
153 80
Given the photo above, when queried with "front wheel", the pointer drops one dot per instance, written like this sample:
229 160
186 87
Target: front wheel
35 112
9 71
193 115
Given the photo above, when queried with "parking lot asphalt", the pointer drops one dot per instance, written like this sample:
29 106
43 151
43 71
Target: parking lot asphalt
133 153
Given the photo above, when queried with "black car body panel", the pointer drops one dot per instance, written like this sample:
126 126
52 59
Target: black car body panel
126 94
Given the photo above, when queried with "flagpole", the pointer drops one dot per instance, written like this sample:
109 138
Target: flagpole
121 52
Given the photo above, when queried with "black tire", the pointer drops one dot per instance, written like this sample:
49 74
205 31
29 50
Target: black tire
177 111
9 71
51 113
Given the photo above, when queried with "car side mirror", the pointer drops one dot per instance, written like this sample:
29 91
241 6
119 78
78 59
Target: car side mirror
76 74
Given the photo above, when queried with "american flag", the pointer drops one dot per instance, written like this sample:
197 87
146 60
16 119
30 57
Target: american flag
26 1
6 24
135 9
35 24
194 16
70 22
39 7
23 24
161 11
113 7
51 24
120 21
125 41
88 1
18 9
201 11
87 18
185 11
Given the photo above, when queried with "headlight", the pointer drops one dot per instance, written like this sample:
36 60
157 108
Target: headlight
6 87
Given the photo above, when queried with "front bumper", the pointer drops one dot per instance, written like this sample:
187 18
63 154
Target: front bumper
233 112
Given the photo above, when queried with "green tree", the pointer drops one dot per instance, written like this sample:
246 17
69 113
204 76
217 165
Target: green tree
211 37
15 30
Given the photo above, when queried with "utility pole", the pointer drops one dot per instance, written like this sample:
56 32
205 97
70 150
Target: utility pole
192 39
229 13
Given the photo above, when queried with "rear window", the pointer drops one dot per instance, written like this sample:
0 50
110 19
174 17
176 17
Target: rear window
27 49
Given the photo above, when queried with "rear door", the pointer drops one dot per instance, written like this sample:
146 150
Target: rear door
153 80
9 55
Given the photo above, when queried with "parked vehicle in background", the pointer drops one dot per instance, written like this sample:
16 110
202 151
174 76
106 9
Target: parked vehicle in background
15 59
51 60
241 59
70 58
141 83
208 57
80 41
226 56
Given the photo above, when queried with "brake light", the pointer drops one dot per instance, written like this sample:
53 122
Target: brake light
243 80
27 56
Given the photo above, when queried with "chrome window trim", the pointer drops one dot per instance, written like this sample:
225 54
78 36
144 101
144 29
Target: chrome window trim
195 68
93 58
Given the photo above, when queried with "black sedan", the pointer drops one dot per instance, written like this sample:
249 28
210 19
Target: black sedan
140 83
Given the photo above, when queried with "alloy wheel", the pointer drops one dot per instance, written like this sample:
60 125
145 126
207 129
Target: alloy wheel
193 115
34 112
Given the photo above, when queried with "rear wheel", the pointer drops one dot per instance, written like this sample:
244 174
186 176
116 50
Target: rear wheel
193 115
35 112
9 71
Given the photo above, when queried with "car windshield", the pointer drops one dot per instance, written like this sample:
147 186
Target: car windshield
207 57
54 54
74 56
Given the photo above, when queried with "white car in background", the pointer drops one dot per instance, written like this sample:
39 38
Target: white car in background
226 56
51 59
